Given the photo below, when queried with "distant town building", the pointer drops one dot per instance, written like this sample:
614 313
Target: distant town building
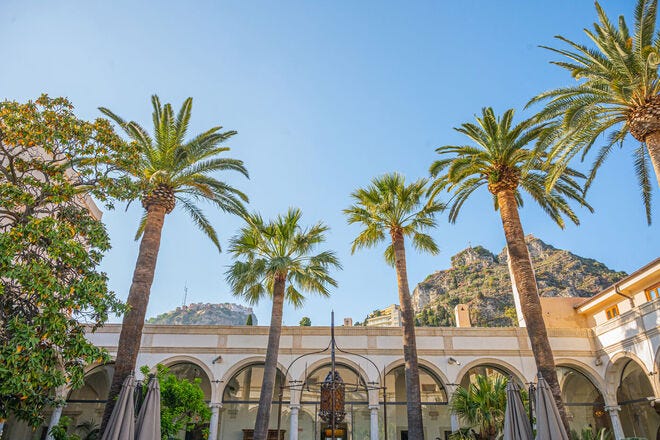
387 317
348 322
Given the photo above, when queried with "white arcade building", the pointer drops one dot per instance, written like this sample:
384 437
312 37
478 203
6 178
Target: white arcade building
607 349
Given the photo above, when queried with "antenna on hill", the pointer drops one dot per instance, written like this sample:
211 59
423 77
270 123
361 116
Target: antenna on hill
185 293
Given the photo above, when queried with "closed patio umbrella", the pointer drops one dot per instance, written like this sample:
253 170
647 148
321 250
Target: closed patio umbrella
121 425
548 421
516 423
148 420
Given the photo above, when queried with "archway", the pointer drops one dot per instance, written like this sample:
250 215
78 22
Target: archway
490 369
85 405
435 411
240 401
634 389
190 370
356 400
584 401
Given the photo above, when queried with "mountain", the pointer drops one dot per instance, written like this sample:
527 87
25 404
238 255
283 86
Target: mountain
479 278
206 314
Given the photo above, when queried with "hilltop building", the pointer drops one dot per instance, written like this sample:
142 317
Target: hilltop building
607 349
387 317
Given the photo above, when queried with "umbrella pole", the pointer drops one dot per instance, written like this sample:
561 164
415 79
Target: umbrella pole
530 398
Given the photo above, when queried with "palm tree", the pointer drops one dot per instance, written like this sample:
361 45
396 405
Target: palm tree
482 405
389 206
618 93
500 160
278 260
170 170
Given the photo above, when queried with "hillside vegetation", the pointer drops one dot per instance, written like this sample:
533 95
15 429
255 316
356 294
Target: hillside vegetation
479 278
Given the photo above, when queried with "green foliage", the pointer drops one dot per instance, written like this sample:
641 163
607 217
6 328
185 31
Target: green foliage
249 320
281 247
481 406
305 322
89 430
50 249
204 314
60 431
591 434
559 273
182 405
616 76
510 312
434 317
500 157
389 206
167 160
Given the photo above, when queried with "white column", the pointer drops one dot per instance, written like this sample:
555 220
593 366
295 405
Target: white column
2 427
455 425
60 392
373 427
616 421
293 422
54 420
215 419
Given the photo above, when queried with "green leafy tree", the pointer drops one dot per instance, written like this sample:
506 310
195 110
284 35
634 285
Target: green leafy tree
481 406
501 160
249 320
50 249
169 170
617 93
305 322
278 259
391 207
182 404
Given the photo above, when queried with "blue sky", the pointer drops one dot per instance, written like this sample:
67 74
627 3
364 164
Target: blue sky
324 96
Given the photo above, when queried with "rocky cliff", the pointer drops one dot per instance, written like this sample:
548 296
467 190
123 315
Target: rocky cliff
479 278
206 314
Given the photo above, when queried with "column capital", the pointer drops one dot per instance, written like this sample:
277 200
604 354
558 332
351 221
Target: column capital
610 408
374 407
213 405
294 406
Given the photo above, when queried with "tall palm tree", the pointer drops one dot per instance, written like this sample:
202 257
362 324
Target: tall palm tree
500 160
482 405
278 260
618 93
390 206
170 170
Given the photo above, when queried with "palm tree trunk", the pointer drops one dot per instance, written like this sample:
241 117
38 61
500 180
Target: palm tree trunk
415 425
270 368
653 146
138 298
523 274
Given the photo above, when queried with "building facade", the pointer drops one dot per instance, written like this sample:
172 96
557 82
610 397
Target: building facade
607 349
387 317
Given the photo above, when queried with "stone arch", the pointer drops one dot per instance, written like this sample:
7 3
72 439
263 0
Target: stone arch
614 370
493 362
191 360
317 372
438 387
238 366
583 393
430 366
86 404
656 371
629 386
596 379
341 361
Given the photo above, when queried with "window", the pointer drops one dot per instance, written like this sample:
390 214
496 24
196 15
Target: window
653 293
612 312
